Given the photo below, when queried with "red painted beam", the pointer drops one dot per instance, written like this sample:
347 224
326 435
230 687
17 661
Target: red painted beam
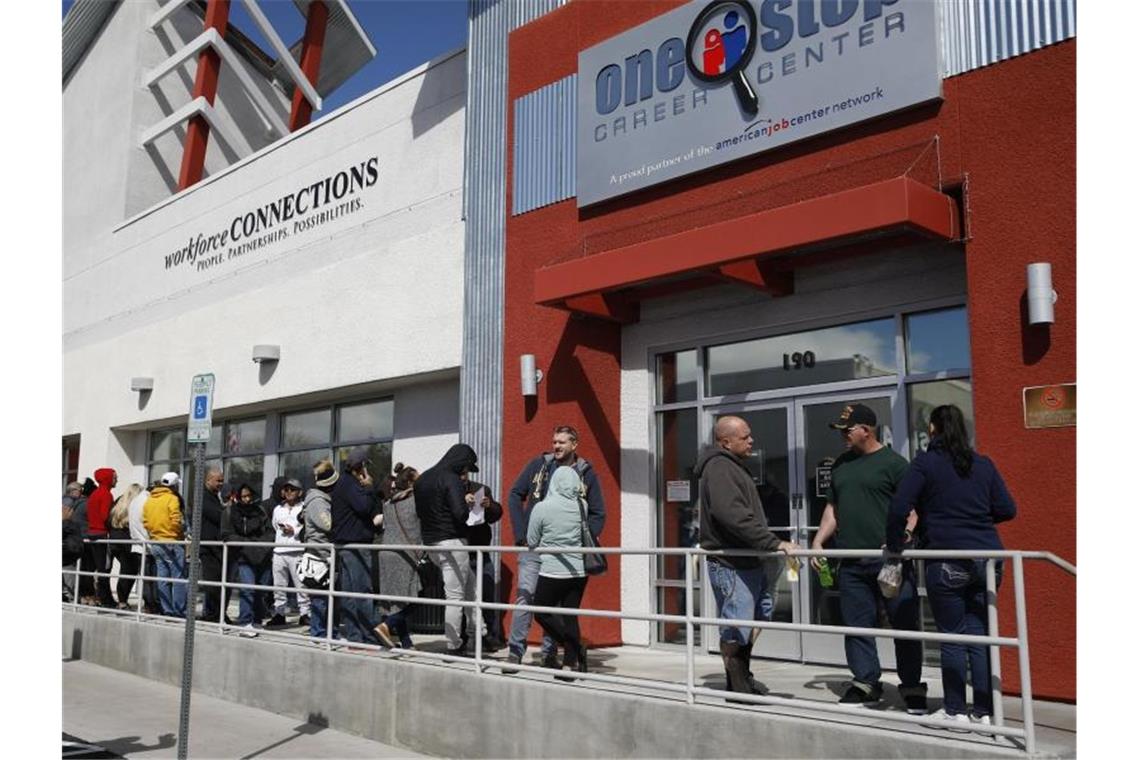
896 203
608 306
311 47
205 85
752 273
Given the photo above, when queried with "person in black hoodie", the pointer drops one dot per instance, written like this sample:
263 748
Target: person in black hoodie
442 507
732 517
355 504
247 522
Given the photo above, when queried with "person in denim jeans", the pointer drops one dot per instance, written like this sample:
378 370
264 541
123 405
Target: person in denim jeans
162 519
732 517
864 478
318 527
246 522
529 488
959 497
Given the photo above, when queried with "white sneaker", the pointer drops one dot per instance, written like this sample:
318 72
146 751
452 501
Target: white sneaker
983 720
950 720
248 631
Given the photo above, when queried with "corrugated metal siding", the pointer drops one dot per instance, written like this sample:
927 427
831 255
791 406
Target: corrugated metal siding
484 192
977 33
545 146
81 26
973 34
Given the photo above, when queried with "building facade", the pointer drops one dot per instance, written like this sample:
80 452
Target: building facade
338 245
853 223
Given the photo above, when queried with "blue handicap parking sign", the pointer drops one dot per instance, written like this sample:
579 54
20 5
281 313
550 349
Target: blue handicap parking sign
199 407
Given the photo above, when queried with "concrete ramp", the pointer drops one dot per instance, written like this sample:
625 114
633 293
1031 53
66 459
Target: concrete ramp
449 710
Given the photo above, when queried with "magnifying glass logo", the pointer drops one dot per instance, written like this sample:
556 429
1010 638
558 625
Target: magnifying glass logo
721 42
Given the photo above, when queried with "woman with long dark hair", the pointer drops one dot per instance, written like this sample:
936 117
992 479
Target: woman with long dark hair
959 496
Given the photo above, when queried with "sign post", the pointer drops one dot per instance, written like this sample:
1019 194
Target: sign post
197 434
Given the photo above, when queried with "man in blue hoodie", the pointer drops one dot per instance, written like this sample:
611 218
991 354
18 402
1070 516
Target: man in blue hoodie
354 503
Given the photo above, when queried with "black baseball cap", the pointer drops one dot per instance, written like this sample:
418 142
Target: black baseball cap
855 414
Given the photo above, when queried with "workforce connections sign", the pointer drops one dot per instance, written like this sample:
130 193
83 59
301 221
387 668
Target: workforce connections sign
710 83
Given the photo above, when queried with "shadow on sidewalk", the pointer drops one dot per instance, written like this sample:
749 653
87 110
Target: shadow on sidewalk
315 724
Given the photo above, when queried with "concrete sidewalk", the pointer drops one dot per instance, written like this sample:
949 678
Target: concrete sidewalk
137 717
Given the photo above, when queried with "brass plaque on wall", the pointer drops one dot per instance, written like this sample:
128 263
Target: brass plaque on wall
1050 405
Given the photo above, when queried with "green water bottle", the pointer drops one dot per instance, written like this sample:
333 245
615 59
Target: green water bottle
825 577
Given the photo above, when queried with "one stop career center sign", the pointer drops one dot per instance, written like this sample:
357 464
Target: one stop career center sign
710 83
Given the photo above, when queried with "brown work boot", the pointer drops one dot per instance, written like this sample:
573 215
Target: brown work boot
735 669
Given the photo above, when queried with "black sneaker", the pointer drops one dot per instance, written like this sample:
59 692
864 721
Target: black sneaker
513 659
303 621
855 697
551 661
459 651
915 704
277 621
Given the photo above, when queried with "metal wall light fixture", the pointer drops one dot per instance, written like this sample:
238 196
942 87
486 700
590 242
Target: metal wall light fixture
266 353
530 375
142 384
1039 293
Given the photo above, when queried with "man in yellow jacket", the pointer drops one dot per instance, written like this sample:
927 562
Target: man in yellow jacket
162 518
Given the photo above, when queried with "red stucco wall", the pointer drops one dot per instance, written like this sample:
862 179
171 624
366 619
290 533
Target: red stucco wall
1007 131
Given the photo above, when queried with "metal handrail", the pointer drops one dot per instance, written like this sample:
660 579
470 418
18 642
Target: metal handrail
689 619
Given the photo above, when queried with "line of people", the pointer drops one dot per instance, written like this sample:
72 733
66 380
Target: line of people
443 507
949 498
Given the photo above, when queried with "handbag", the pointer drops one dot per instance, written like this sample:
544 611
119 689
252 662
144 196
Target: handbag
890 579
313 571
594 563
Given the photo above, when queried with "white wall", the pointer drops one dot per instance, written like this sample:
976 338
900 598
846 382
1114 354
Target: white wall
110 176
837 291
375 295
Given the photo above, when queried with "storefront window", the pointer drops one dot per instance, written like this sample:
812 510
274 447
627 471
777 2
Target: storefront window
245 437
937 341
299 464
303 428
923 397
236 447
168 444
307 437
363 422
379 454
833 354
70 461
677 377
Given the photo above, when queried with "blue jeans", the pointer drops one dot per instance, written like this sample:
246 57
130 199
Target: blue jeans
250 607
170 562
859 598
529 565
318 617
740 594
956 590
354 573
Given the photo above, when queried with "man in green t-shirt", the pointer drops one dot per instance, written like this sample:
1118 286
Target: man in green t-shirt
863 480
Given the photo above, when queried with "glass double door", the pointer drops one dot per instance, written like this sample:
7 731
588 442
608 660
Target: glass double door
792 453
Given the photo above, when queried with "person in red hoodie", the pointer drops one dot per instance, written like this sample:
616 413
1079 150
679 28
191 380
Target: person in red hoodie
98 511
